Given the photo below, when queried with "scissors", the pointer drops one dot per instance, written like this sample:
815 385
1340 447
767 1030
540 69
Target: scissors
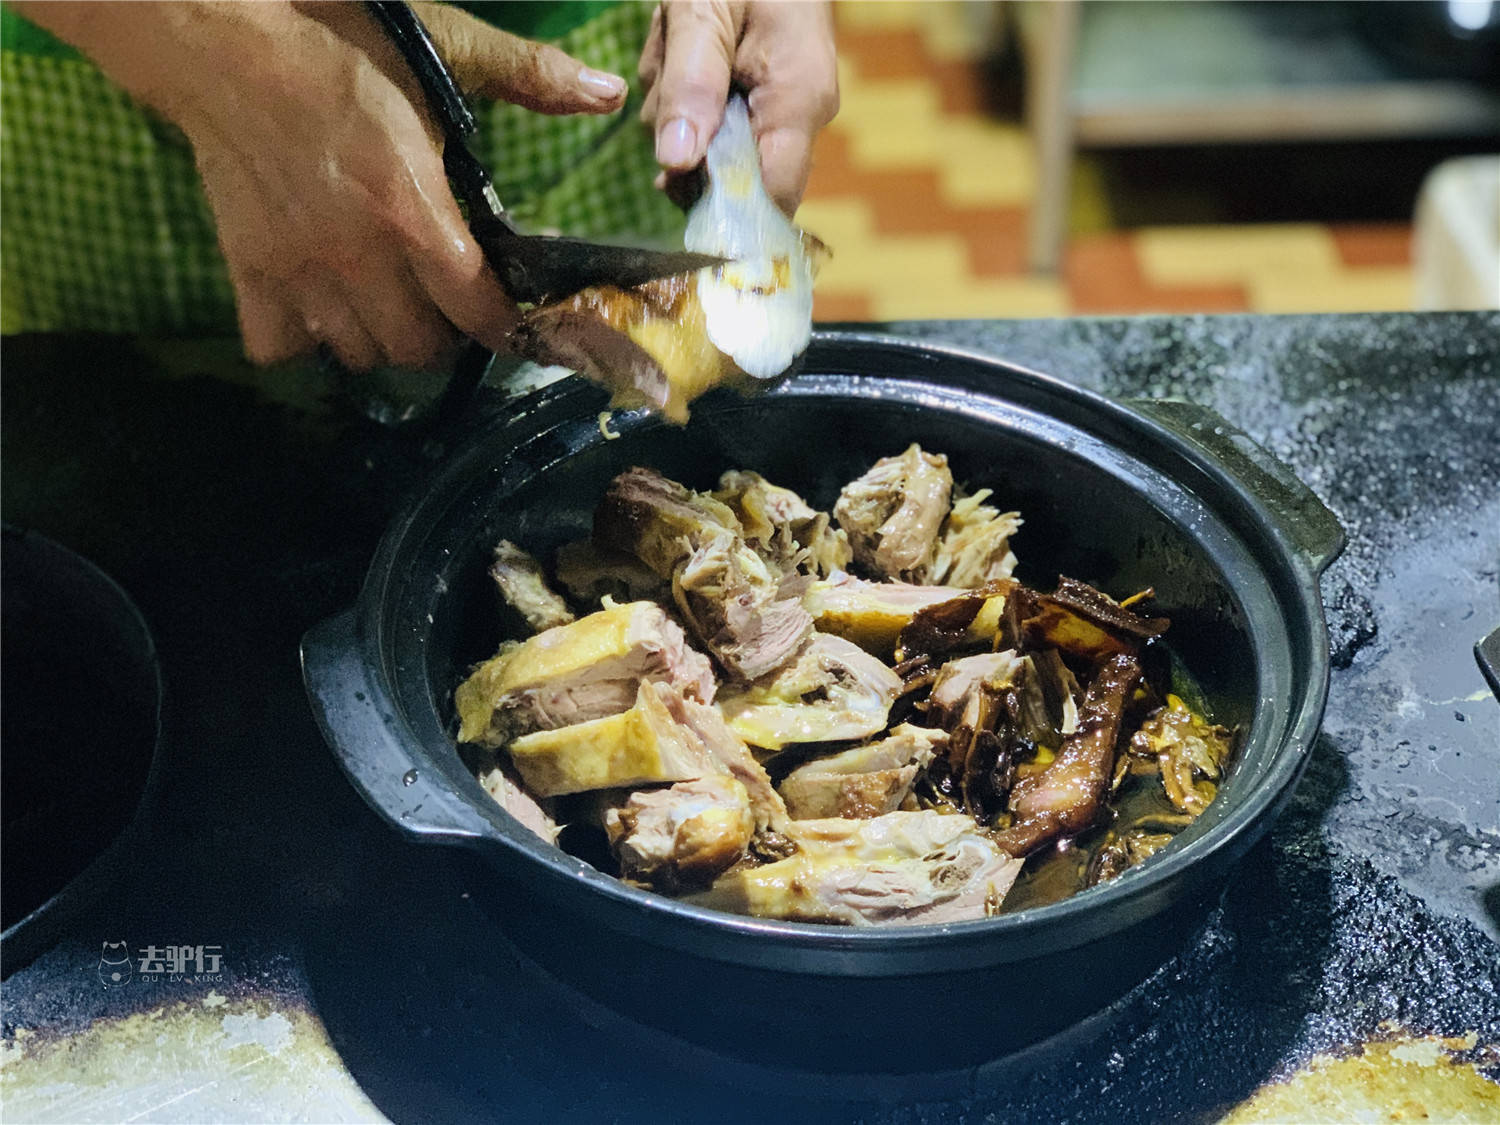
532 268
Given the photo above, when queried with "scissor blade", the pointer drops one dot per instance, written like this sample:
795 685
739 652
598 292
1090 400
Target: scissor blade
538 268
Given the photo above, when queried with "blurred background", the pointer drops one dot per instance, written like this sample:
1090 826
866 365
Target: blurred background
1058 157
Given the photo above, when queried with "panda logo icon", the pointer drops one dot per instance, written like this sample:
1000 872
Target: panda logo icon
114 964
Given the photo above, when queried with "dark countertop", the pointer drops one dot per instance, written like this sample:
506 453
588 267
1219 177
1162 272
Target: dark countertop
240 508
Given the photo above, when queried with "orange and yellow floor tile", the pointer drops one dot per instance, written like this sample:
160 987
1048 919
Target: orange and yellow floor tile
924 197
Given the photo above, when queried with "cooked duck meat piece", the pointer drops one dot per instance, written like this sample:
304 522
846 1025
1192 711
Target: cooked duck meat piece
864 781
603 335
1067 797
636 747
658 521
959 681
577 672
1083 622
966 700
1048 699
591 573
1190 752
782 527
812 796
974 547
684 835
893 513
727 594
973 700
524 588
1118 854
917 672
508 792
903 745
733 757
901 867
649 344
733 604
871 614
917 675
963 620
663 344
912 793
833 691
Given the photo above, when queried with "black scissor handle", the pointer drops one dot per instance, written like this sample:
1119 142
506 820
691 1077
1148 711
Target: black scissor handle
411 38
469 176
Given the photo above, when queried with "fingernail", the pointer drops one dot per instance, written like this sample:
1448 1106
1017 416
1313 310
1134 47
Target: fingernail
675 142
601 85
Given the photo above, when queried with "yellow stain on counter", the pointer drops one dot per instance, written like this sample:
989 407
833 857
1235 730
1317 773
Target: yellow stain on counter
1401 1079
213 1060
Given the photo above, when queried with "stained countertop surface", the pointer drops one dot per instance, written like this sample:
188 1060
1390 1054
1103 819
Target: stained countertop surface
363 977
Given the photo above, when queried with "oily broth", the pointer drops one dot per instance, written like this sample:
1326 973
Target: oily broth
1059 871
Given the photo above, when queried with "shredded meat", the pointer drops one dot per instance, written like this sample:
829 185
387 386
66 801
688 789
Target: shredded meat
781 527
727 594
834 690
524 588
864 781
893 513
974 547
1190 753
901 867
1117 855
888 746
683 835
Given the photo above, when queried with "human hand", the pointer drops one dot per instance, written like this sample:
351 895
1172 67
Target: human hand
322 167
781 53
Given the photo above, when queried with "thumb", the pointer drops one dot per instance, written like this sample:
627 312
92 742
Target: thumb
693 82
495 64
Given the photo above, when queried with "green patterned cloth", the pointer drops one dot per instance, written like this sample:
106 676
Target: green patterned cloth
105 227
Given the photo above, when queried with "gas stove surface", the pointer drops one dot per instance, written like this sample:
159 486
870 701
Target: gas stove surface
293 959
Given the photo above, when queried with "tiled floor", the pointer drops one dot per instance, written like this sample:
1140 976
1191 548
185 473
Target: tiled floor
924 197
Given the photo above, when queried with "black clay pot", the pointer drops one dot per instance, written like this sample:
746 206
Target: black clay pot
1125 495
80 729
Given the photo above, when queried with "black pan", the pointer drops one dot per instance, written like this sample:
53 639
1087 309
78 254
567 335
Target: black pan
1122 494
80 729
